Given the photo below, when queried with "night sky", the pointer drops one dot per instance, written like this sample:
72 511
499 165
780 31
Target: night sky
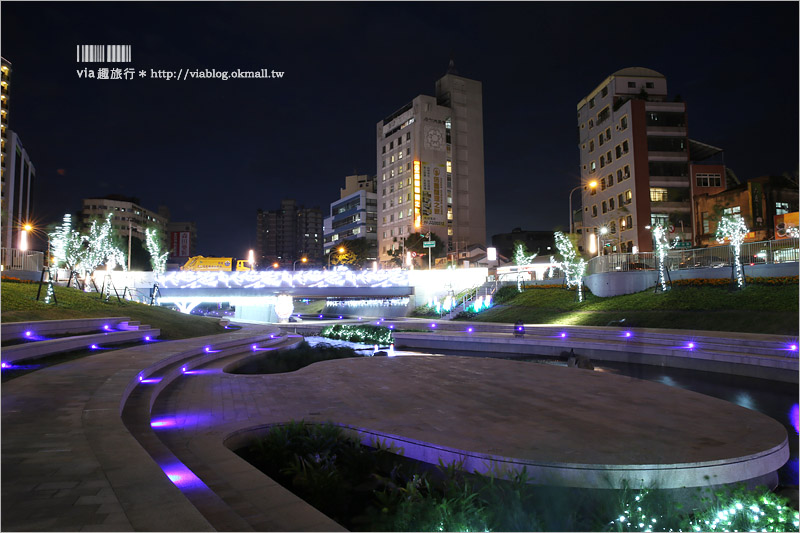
215 151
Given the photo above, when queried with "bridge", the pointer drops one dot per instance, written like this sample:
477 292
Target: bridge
258 294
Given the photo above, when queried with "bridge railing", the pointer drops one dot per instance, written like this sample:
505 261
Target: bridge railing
763 252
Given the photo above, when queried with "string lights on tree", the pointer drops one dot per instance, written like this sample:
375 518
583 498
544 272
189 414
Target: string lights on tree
521 258
158 260
662 249
734 229
66 244
574 267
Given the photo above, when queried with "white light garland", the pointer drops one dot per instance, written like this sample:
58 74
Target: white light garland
733 228
522 259
662 248
158 260
574 267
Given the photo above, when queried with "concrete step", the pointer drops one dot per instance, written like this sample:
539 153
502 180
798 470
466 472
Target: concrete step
43 328
38 349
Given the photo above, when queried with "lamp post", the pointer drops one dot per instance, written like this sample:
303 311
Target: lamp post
592 185
23 237
294 265
603 231
330 255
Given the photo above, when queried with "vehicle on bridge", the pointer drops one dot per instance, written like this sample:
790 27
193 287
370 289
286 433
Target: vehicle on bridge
199 263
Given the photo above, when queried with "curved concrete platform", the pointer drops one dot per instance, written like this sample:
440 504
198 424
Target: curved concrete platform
566 426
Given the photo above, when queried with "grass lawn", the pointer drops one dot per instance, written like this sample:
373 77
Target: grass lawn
756 309
18 304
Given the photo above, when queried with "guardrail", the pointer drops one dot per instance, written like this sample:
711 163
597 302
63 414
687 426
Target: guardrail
762 252
15 259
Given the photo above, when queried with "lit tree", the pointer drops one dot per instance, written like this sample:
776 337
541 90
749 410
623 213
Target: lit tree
99 247
66 244
521 258
733 228
574 267
158 260
662 247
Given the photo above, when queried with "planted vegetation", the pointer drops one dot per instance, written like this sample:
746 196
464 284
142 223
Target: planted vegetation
19 304
364 333
376 489
758 308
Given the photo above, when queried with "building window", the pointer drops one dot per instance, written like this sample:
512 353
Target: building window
611 204
604 207
619 151
602 182
594 210
604 92
649 84
384 149
591 103
400 154
591 146
627 172
391 145
657 219
608 157
592 166
628 197
706 223
408 151
602 164
399 140
608 134
610 180
735 210
591 123
600 139
593 191
631 85
629 222
408 136
624 147
620 199
781 208
658 194
623 123
709 180
612 227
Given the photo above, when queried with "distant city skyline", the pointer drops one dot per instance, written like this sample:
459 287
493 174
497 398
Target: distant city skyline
215 151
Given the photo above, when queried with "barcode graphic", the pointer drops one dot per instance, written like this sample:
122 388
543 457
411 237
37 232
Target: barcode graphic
103 53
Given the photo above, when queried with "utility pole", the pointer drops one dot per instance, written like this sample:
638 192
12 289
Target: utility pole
129 244
430 252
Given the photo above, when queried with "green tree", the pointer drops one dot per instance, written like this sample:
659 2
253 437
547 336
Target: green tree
413 243
362 250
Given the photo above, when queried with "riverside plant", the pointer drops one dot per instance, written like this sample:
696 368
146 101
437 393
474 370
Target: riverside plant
376 489
365 333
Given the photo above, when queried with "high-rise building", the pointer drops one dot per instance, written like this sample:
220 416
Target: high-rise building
430 167
5 94
634 162
354 215
20 176
288 234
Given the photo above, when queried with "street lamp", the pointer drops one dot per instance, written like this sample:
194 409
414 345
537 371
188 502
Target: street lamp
303 260
330 255
23 237
592 184
603 231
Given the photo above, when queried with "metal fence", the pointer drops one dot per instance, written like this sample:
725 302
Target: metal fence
752 253
14 259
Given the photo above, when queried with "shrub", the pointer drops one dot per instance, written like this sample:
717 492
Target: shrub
505 293
365 333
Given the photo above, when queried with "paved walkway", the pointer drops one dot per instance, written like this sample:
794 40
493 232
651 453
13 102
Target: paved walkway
71 462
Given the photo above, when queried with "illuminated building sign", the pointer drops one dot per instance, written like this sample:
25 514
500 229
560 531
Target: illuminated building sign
417 195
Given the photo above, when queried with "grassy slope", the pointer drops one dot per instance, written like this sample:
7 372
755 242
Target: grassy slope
19 304
756 309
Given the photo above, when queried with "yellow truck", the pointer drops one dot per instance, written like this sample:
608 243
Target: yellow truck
199 263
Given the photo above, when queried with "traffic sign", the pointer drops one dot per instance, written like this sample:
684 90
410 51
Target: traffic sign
428 244
683 244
